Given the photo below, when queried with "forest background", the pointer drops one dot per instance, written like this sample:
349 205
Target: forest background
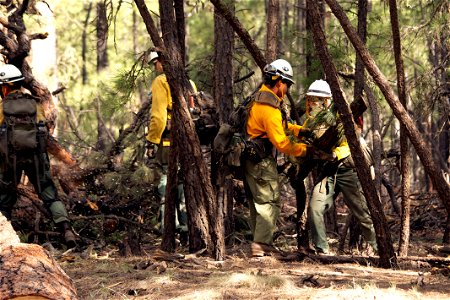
95 58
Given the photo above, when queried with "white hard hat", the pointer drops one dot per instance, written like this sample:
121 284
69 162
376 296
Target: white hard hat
281 68
153 55
10 73
319 88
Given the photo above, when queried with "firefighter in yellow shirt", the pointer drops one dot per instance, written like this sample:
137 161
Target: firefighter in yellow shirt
266 127
158 137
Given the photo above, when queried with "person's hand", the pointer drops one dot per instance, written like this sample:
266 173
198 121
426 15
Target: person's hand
151 149
306 134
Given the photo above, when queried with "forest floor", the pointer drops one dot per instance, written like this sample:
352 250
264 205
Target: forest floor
157 275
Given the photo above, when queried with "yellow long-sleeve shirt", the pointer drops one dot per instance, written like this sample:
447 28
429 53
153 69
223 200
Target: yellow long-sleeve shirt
161 104
161 107
266 121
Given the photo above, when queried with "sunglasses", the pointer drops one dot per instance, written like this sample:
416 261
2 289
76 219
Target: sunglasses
286 82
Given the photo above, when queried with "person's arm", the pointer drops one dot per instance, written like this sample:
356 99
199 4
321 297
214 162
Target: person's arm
158 115
277 136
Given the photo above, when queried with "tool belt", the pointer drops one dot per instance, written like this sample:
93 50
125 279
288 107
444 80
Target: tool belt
257 149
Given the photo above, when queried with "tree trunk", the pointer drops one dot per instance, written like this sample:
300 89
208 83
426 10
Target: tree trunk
200 198
376 136
84 74
27 270
168 239
386 250
414 135
273 25
245 37
102 36
181 28
354 228
404 151
223 98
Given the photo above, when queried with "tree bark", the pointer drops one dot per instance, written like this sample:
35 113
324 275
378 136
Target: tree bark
404 151
84 74
273 25
223 98
386 250
414 135
245 37
102 36
27 270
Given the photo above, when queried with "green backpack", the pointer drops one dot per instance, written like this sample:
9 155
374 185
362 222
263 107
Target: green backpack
20 132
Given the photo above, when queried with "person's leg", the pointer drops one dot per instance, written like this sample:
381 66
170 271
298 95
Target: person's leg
49 195
262 179
321 201
348 182
8 195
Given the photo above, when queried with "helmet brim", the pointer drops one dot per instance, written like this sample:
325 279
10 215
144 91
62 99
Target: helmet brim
318 94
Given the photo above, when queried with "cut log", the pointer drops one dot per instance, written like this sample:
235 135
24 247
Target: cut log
27 271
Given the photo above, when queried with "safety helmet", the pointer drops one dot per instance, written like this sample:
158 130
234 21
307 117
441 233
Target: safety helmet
10 73
319 88
280 67
153 55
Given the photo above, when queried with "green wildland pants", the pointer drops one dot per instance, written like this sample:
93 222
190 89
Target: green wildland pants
263 195
162 157
346 181
48 193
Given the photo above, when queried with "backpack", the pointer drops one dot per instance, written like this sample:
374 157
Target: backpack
20 132
233 145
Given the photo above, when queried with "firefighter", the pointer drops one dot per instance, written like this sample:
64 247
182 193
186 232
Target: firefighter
340 176
158 137
22 147
266 127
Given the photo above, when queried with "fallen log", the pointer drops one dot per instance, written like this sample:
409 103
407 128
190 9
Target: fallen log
27 271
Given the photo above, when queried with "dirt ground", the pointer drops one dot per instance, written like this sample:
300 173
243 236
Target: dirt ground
104 275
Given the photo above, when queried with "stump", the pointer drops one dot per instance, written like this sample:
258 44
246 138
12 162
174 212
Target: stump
27 271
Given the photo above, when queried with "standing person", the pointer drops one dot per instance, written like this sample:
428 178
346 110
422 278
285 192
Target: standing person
340 176
266 127
23 135
158 137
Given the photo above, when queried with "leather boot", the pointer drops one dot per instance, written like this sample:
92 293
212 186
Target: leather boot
68 234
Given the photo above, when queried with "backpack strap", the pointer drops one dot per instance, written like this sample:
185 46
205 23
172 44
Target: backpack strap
267 98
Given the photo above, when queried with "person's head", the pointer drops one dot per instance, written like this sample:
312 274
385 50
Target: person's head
318 97
155 61
278 76
10 79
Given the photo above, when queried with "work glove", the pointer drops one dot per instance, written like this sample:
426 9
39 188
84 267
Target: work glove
151 149
306 135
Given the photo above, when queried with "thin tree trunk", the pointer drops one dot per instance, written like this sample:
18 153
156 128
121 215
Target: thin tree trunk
102 36
249 43
414 135
84 74
376 136
181 27
355 229
386 250
223 93
273 25
404 151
